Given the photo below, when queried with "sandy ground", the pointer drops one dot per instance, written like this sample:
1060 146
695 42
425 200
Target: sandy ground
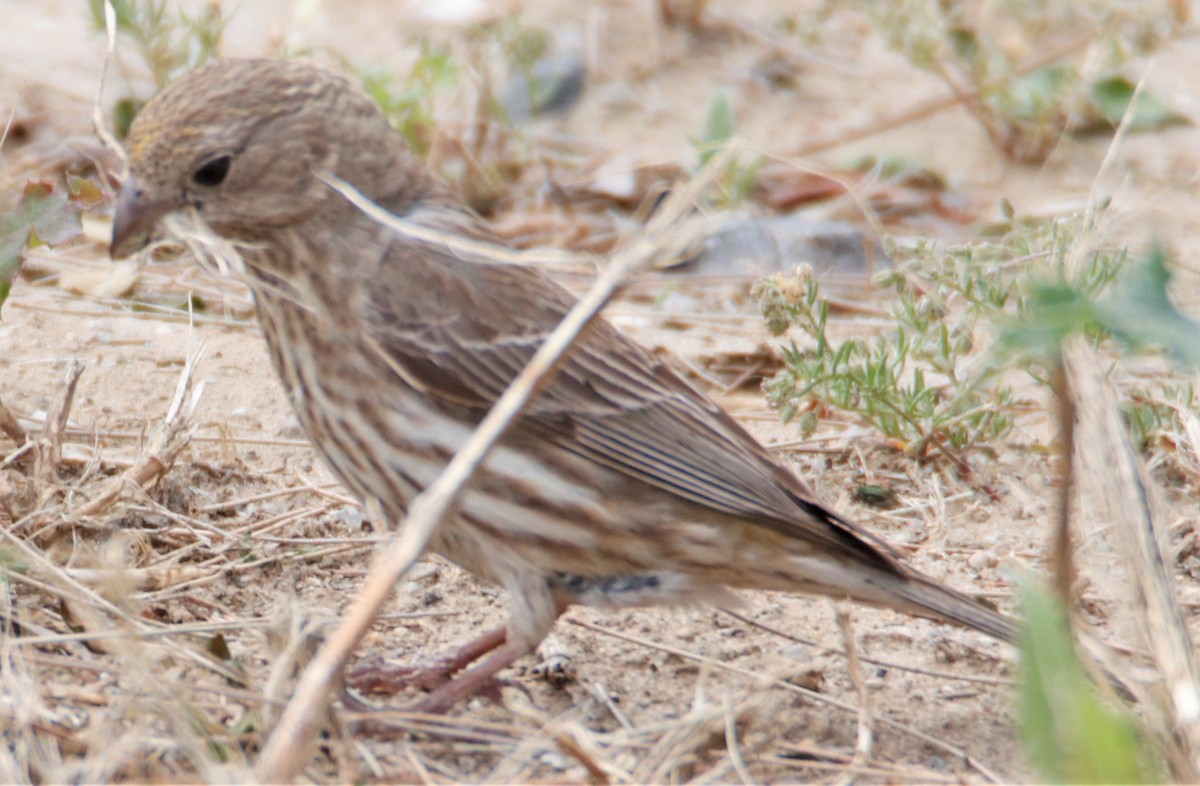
656 695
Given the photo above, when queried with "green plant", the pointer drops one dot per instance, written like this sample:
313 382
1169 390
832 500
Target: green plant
928 382
1011 66
169 40
908 383
1151 418
963 317
1136 311
1069 733
522 47
720 122
44 214
408 103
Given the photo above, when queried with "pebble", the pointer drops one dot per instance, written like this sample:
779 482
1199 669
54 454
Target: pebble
981 560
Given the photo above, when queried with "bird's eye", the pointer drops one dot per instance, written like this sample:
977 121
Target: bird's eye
212 173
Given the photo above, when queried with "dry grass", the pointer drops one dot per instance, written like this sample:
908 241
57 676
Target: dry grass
118 627
175 555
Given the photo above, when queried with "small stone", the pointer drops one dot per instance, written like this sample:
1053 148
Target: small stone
982 560
552 86
750 245
810 678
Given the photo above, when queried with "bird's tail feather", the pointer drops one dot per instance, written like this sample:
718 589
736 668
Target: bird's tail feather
928 598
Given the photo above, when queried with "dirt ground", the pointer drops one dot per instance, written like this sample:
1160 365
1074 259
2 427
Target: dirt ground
248 536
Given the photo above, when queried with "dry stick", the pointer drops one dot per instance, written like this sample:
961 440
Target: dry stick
10 427
1061 568
110 29
172 315
60 584
569 744
1125 495
284 755
49 453
173 435
866 724
8 124
881 773
929 108
735 752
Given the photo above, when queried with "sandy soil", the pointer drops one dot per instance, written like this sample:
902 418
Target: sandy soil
262 538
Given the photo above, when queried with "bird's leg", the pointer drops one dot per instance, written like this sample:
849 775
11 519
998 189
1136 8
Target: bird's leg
383 678
532 612
474 679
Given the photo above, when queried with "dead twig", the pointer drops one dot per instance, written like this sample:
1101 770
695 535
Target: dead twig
10 427
170 438
1062 569
49 451
932 107
110 29
866 724
1114 479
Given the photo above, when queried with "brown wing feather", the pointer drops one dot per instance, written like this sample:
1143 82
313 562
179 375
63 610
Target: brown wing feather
611 401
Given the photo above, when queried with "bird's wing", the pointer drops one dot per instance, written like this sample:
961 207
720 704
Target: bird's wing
462 330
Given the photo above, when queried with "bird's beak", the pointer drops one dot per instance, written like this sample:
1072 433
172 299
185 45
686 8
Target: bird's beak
136 214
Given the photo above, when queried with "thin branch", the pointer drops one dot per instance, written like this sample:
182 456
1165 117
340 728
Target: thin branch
1119 485
173 435
110 29
49 453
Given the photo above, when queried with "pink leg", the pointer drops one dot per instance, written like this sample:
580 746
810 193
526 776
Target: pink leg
473 680
379 678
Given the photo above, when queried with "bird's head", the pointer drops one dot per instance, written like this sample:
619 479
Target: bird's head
241 141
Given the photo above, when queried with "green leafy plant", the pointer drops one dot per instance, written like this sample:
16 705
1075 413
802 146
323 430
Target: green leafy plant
925 382
408 102
907 382
1015 65
44 214
1137 311
170 41
962 318
1068 731
720 122
522 47
1114 96
1151 417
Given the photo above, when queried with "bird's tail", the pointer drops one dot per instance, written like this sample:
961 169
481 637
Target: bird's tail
927 598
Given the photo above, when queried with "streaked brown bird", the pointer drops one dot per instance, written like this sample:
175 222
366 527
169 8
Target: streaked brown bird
621 485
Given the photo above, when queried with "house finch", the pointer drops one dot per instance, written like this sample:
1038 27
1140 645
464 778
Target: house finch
620 485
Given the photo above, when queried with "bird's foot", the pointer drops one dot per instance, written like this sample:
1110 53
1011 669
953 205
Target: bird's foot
475 681
447 680
381 678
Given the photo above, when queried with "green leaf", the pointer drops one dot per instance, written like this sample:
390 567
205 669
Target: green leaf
1070 734
1139 312
1112 98
719 123
43 215
1136 311
1040 92
123 113
1054 311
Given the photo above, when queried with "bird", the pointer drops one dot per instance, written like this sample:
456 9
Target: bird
621 484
